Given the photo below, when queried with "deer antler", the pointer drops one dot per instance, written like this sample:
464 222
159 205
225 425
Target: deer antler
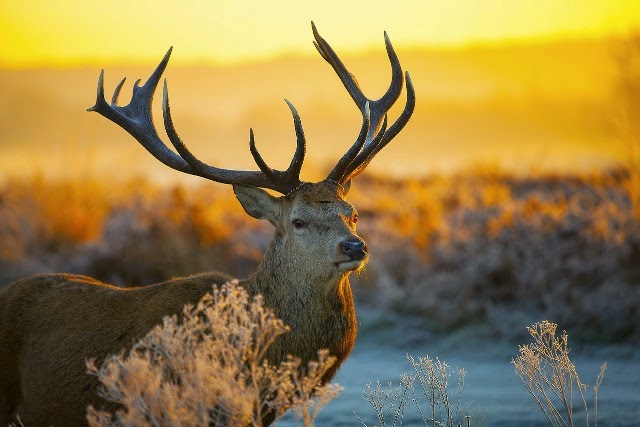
374 134
136 119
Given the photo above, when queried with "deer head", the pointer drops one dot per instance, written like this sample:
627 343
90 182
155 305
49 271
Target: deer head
306 210
314 225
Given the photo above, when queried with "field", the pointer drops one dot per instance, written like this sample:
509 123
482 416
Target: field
472 237
475 248
465 260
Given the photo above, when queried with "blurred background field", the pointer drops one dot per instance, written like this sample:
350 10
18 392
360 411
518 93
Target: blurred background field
512 196
478 247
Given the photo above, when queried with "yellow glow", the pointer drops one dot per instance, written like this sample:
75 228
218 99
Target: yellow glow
70 32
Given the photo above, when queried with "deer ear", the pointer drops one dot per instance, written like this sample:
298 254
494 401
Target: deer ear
257 202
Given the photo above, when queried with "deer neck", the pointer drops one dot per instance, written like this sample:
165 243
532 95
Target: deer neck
319 310
290 285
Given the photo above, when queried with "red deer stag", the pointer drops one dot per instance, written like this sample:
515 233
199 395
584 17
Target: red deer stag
50 324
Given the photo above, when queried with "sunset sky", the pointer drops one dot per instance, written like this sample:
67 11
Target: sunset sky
78 32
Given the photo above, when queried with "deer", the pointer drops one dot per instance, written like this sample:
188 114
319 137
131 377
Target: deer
50 324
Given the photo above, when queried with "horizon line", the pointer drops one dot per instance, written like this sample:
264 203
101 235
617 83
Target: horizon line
233 62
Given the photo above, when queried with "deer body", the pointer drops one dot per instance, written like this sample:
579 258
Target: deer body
50 324
43 377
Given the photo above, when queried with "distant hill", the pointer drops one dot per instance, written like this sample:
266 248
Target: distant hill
528 106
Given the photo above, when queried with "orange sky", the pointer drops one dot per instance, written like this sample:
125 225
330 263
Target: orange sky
72 32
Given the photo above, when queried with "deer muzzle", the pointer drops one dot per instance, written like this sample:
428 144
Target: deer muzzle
355 249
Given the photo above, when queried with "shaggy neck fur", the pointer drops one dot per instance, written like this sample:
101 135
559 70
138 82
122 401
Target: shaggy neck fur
317 308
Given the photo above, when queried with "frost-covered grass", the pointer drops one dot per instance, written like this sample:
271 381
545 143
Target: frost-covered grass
485 247
430 389
430 393
208 367
550 376
478 247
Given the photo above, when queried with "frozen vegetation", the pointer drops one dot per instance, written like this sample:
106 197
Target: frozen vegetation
460 266
481 248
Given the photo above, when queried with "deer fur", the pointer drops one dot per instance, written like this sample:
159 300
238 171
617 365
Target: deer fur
50 324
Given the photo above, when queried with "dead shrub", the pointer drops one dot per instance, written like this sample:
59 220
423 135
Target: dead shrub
208 367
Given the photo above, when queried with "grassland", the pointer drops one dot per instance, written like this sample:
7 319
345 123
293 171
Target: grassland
477 248
484 249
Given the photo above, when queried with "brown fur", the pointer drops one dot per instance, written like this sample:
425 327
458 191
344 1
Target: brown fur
50 324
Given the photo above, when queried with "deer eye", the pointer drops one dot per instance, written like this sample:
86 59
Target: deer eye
298 223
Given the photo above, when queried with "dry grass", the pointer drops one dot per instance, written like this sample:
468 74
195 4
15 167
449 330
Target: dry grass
546 370
208 367
427 390
129 233
474 247
452 250
427 396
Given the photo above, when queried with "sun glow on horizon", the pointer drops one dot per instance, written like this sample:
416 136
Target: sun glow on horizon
76 32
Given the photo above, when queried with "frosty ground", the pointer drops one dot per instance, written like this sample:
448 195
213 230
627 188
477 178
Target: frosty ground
494 395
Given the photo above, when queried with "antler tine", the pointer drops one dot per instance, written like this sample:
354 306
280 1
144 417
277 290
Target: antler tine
338 172
379 107
388 135
258 158
374 112
402 120
292 174
301 146
136 118
281 181
365 155
347 78
224 176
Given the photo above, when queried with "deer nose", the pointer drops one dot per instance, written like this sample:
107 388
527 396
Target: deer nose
355 249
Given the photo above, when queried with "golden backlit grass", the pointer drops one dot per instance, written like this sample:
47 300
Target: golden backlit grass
208 367
454 250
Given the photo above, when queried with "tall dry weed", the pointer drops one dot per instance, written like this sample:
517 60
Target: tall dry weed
208 367
546 370
427 390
